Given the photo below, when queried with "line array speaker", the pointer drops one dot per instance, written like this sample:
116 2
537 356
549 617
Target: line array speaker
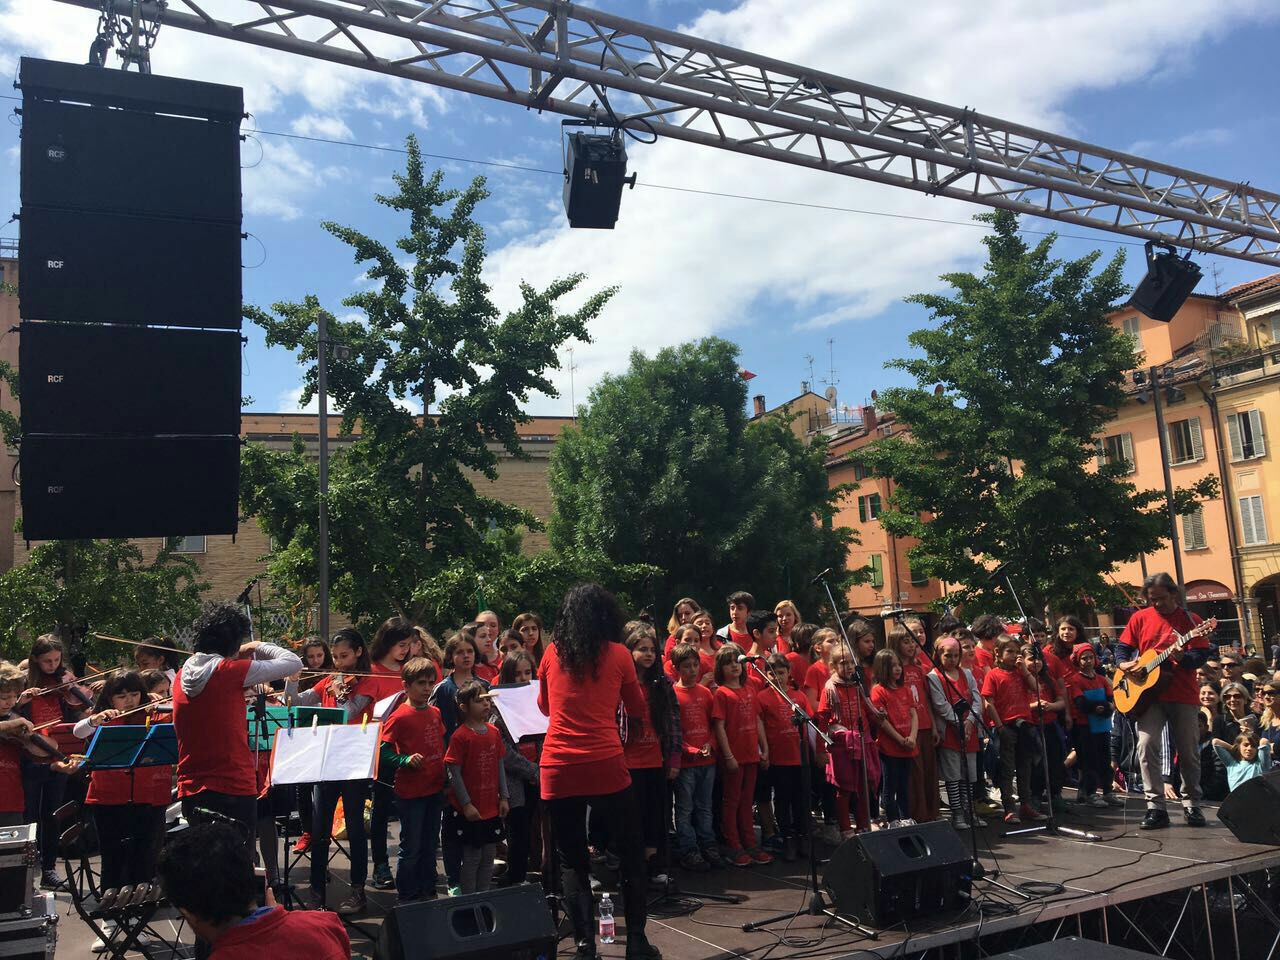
130 190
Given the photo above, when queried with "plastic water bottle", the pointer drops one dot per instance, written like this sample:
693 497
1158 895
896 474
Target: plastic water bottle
607 926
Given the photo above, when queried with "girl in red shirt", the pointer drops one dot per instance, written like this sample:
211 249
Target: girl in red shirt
789 618
924 801
128 805
1091 705
389 651
529 626
790 816
477 786
691 634
898 733
652 747
1047 703
583 675
850 718
743 749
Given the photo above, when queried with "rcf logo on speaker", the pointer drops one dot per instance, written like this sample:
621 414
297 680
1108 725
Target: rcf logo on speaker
54 378
54 264
57 489
56 153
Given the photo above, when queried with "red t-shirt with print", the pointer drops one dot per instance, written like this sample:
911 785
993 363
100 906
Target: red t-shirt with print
914 678
12 797
478 753
898 703
697 708
780 733
1008 693
643 749
740 709
411 731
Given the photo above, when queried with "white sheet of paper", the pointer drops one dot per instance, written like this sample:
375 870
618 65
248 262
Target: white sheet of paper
518 705
298 756
383 708
352 753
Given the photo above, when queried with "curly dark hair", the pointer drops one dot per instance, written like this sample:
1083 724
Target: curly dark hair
207 869
589 618
221 628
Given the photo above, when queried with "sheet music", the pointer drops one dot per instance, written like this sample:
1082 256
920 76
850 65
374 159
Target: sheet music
326 753
517 703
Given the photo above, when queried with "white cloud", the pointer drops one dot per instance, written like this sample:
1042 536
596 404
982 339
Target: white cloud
314 125
690 265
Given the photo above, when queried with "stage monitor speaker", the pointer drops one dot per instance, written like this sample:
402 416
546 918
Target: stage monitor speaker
111 268
890 876
79 378
1252 810
595 173
1169 281
509 924
1073 948
89 487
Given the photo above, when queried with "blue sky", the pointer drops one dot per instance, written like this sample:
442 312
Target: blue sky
1189 86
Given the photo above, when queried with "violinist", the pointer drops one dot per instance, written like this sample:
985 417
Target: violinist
48 699
317 659
389 651
215 766
14 731
127 805
350 693
157 657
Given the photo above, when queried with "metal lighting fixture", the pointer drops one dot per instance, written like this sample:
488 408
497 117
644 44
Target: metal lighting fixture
1169 281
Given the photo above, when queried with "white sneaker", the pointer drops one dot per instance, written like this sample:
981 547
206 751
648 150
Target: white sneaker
99 945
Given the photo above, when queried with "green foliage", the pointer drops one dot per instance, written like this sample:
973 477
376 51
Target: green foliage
78 587
994 470
403 505
664 468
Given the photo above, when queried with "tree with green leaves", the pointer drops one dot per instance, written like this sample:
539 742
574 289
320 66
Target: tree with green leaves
403 504
994 470
665 468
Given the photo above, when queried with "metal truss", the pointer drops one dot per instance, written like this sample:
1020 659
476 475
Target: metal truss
560 57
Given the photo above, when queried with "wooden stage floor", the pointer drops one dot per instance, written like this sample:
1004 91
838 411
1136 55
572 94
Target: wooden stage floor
1127 865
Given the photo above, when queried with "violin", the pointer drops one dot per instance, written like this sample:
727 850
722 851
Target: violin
34 742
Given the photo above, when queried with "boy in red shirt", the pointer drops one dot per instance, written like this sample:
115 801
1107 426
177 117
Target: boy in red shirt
477 786
207 874
791 816
741 604
413 745
743 749
987 629
1008 690
696 782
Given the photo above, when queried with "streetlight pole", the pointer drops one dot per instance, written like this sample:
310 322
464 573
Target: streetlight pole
1156 390
322 544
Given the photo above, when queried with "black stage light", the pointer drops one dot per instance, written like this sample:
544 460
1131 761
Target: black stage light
595 171
1169 281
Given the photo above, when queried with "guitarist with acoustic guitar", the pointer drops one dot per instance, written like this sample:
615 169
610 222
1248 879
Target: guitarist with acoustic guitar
1161 624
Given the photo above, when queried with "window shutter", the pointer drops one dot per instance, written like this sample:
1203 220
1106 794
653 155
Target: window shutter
1102 453
1234 438
1275 330
862 509
1126 445
1255 427
877 574
1193 530
1259 521
1197 439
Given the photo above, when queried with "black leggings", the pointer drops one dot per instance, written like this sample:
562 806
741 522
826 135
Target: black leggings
44 790
129 839
788 809
353 794
650 786
569 823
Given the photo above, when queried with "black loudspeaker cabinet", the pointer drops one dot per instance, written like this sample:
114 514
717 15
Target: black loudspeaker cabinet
1169 281
509 924
887 877
128 381
87 487
112 268
595 172
1252 810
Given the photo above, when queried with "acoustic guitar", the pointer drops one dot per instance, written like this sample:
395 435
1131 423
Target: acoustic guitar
1135 693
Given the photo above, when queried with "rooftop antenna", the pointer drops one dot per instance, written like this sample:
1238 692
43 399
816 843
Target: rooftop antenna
808 358
573 401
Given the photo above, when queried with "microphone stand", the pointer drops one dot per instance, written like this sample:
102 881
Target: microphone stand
1050 825
817 906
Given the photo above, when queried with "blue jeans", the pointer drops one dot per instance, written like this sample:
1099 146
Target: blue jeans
419 830
693 808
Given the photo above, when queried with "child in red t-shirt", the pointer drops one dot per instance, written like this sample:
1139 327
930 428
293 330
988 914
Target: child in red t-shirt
1008 690
790 814
128 805
413 746
477 786
652 747
695 835
1048 700
743 748
12 796
850 716
924 803
898 733
1091 704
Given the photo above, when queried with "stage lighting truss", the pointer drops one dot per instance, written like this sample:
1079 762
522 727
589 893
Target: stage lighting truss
561 57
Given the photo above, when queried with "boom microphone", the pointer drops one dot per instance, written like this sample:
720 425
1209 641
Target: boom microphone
820 577
743 658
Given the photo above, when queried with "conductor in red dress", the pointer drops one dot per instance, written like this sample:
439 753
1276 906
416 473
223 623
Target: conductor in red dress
583 677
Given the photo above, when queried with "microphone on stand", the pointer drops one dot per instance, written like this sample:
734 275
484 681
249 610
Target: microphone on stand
820 577
743 658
